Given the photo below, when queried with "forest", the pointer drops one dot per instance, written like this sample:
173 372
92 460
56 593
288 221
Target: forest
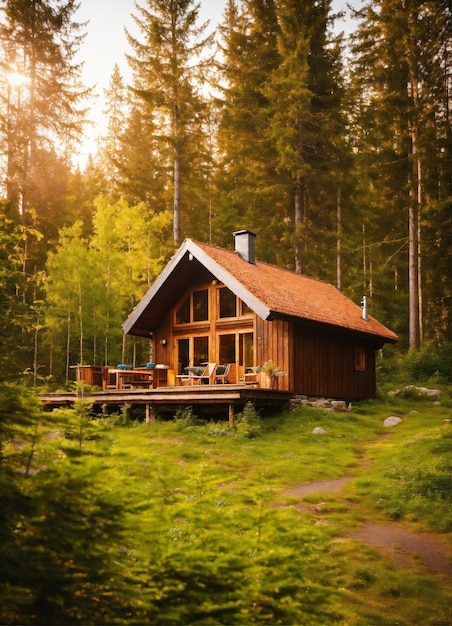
335 150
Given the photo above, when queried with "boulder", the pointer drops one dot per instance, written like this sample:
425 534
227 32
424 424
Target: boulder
319 431
393 420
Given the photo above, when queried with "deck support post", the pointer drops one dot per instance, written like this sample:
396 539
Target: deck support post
150 414
231 415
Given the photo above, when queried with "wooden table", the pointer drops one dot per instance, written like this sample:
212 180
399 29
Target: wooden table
119 378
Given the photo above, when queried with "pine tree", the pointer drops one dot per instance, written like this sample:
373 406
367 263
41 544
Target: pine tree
168 72
307 127
247 194
39 41
400 64
110 144
40 120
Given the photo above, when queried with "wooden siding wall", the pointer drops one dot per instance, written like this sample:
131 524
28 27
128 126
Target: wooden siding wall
324 365
165 354
273 341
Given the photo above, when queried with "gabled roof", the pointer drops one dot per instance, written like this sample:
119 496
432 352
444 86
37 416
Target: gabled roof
268 290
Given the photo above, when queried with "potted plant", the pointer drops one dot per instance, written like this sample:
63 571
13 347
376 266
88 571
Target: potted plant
271 370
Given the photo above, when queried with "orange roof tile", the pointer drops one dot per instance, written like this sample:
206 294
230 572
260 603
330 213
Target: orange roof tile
286 293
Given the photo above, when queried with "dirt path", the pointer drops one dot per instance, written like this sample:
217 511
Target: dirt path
319 486
404 547
400 545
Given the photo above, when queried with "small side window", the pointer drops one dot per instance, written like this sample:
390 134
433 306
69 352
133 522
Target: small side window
360 360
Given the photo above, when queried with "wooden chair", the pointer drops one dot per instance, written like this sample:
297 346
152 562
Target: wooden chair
251 376
223 377
207 375
198 379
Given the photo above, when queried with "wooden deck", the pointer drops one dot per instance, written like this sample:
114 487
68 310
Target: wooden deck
167 399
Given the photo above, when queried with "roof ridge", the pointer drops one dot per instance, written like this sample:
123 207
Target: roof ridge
259 262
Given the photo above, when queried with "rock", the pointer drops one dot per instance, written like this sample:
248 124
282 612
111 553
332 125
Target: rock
339 405
411 391
393 420
437 403
319 431
447 421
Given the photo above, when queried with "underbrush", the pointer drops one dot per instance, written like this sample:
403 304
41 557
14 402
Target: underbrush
175 522
432 365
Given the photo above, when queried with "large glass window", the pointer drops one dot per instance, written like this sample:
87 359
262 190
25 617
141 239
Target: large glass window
246 349
226 349
245 309
200 350
227 303
200 305
192 351
183 357
195 308
183 312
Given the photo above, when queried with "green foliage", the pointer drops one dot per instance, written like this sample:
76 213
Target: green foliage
248 423
432 363
93 284
429 363
169 525
185 417
168 80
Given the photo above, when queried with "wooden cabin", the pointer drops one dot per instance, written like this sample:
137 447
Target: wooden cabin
211 305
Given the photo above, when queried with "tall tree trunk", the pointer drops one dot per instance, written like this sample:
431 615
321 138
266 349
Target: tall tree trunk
177 195
412 277
68 340
177 172
80 314
414 191
339 236
419 254
298 222
364 259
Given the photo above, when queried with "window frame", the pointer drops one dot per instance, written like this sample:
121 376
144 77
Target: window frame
241 309
360 360
191 297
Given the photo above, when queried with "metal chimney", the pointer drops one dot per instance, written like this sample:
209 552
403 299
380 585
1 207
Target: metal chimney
364 309
244 245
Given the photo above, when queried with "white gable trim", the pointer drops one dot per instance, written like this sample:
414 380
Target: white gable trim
188 246
232 283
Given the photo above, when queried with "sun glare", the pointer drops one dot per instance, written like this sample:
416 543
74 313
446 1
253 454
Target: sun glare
16 79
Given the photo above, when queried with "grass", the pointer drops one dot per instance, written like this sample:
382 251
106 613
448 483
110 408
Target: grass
208 537
236 485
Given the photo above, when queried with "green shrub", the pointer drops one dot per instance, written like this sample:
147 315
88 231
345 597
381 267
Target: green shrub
185 418
430 363
248 423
